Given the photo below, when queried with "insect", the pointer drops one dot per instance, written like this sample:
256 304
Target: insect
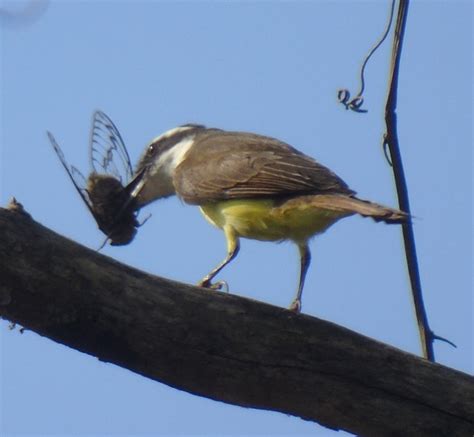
106 191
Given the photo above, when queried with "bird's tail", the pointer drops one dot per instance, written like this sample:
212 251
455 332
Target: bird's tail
343 205
377 212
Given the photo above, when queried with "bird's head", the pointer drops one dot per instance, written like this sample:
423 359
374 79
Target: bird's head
153 178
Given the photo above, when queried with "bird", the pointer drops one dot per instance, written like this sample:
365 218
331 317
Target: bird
250 186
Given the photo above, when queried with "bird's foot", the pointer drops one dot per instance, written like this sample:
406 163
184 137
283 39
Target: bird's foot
218 286
295 306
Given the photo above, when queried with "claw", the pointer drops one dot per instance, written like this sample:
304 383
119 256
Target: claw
218 286
295 306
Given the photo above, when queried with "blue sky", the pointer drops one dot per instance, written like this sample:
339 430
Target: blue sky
267 67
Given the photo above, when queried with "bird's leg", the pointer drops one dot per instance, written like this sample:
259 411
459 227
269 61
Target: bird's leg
305 259
233 247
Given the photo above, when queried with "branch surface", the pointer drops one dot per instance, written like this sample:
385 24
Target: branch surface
220 346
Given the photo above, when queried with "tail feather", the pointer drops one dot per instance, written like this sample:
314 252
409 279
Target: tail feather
347 205
379 212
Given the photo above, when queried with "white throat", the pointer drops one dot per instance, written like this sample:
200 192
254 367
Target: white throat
163 168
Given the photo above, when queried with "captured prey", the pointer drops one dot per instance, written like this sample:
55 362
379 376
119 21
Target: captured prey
106 191
250 186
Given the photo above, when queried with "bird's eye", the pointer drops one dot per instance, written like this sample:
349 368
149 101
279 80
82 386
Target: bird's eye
151 149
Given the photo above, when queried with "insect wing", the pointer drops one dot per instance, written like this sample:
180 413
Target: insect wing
75 175
107 151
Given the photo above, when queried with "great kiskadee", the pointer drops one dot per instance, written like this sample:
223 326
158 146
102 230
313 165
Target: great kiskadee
250 186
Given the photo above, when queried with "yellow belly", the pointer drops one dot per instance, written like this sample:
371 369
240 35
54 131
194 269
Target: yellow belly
297 219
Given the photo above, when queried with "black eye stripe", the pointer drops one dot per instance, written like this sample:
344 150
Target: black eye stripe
166 143
161 145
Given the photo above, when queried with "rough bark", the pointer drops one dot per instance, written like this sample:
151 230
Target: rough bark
221 346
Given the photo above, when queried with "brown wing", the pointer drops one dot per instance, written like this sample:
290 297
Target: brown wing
235 165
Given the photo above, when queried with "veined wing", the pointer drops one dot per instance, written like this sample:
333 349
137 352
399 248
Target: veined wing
77 178
107 151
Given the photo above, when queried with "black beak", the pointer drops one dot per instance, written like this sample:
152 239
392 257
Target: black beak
133 190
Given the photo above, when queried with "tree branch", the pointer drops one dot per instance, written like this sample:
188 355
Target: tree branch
221 346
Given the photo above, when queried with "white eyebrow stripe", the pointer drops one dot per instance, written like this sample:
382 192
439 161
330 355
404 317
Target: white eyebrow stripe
170 133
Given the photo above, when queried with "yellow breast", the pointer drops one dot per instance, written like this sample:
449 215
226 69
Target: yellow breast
297 219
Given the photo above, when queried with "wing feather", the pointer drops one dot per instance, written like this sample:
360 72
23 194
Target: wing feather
230 165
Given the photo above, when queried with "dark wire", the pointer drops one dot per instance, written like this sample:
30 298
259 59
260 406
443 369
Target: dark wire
374 49
343 95
427 336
